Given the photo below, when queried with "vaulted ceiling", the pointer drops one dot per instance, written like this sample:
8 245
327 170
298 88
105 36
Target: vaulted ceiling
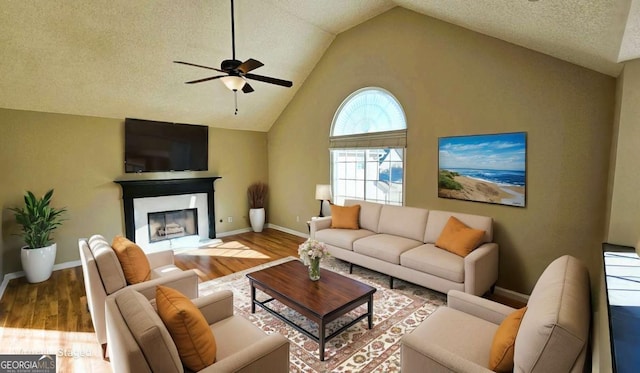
113 58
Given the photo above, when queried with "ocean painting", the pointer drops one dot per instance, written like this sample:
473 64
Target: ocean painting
484 168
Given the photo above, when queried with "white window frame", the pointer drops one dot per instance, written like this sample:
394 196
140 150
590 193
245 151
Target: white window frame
378 139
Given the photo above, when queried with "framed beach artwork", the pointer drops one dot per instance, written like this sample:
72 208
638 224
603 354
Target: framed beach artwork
484 168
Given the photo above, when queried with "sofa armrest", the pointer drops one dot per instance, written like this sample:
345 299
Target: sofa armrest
481 269
269 354
319 224
160 258
185 282
420 355
477 306
215 307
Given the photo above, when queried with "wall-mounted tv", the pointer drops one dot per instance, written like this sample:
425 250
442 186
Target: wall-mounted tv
151 146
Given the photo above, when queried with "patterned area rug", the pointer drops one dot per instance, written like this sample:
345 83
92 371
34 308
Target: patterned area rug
357 349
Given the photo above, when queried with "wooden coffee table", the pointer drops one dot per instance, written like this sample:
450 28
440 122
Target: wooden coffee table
320 301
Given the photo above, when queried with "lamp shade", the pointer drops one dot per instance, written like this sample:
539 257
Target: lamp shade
323 192
234 83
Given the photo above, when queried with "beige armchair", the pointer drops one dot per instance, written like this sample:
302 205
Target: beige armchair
139 342
103 276
552 336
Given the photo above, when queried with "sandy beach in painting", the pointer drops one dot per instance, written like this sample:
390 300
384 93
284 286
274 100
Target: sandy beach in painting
485 191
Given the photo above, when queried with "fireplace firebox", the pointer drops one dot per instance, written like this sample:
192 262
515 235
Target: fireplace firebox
165 225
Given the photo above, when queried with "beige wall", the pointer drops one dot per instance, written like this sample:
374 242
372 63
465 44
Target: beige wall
81 156
624 222
452 81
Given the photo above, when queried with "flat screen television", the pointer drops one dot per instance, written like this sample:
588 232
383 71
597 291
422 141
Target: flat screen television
151 146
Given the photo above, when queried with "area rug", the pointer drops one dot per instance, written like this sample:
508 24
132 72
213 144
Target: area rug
357 349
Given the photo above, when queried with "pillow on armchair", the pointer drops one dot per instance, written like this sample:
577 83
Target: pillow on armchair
188 328
133 260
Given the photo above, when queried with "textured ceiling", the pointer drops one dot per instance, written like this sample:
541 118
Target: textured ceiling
113 58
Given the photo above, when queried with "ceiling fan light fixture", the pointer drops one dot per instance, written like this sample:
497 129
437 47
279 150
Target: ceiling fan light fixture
234 83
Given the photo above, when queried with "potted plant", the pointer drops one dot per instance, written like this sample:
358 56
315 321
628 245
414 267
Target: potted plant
257 193
38 220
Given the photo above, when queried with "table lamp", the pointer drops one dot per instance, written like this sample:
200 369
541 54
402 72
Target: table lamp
323 192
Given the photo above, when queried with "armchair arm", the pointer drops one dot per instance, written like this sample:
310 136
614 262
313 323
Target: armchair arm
481 269
269 354
160 258
215 307
419 355
185 282
319 224
477 306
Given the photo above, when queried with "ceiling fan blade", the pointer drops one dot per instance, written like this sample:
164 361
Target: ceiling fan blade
247 88
266 79
204 67
205 79
249 65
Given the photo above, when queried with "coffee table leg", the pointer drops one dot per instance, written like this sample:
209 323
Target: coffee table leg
370 311
321 339
253 298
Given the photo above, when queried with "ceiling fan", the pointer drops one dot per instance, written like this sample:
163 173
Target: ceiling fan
236 73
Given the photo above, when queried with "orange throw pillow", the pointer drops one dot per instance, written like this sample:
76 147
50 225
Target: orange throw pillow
345 217
501 358
133 260
458 238
188 328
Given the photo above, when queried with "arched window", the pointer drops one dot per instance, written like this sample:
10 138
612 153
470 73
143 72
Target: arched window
367 143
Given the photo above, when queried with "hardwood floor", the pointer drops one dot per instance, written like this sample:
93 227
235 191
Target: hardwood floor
239 252
60 302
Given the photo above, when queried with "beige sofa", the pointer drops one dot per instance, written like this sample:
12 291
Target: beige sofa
552 337
399 241
103 276
140 342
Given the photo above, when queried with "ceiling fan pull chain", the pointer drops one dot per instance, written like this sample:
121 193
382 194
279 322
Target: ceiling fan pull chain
235 98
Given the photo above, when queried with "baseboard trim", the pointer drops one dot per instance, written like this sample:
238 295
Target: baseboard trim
287 230
13 275
511 294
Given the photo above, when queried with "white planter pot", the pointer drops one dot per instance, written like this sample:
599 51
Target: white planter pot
38 263
256 217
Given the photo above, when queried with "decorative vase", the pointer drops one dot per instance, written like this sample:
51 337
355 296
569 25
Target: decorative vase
314 269
256 217
38 263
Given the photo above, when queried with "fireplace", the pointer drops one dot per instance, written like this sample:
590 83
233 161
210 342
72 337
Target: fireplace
156 211
165 225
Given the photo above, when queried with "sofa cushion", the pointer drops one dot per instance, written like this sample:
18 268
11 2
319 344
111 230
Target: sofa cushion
188 328
345 217
369 213
443 327
237 333
409 222
557 319
384 247
429 259
501 358
149 332
438 219
107 263
343 238
133 260
458 238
